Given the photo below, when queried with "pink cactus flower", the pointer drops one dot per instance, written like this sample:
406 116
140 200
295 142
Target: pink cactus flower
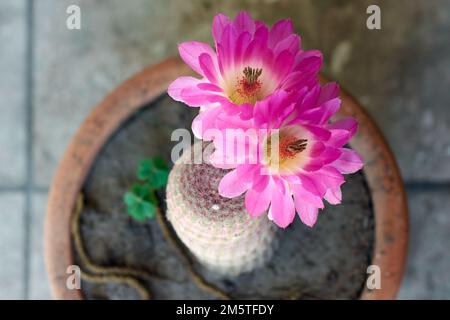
250 62
303 167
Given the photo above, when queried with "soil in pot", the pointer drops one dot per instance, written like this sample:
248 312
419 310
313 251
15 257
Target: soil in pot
328 261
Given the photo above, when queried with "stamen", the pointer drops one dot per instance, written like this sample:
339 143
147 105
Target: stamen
286 154
289 147
247 89
251 75
297 146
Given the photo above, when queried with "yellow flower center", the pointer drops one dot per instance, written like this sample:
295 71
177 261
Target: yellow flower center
247 89
285 152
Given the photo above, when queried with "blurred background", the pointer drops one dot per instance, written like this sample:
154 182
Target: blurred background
51 77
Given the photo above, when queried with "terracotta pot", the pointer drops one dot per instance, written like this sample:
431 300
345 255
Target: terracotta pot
382 174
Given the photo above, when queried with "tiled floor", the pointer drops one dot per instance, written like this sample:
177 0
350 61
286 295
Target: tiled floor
50 77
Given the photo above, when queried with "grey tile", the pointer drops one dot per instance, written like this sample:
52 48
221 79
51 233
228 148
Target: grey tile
12 92
39 284
427 275
75 69
11 245
401 74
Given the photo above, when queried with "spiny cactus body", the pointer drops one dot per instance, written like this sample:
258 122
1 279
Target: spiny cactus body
218 231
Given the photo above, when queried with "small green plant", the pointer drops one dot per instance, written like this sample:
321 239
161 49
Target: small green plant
141 200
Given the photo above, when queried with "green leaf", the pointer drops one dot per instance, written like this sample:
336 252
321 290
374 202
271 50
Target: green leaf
145 169
160 163
141 202
159 179
154 171
142 211
129 199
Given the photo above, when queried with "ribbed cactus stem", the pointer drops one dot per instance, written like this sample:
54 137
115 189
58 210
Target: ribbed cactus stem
218 231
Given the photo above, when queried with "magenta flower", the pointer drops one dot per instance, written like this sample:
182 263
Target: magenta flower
300 156
250 63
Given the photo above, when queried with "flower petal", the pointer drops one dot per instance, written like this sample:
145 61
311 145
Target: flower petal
195 97
253 54
316 149
308 61
330 177
241 45
280 30
307 212
328 155
322 114
282 205
348 162
176 88
262 32
328 91
313 185
237 181
291 43
220 22
209 87
273 110
225 49
246 111
342 131
257 198
204 121
191 51
318 132
283 65
334 196
348 124
298 79
208 67
244 23
301 194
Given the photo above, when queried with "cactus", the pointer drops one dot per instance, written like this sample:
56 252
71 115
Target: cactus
218 231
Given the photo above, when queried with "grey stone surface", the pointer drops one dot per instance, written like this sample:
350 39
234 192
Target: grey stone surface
428 270
12 91
74 69
39 285
11 245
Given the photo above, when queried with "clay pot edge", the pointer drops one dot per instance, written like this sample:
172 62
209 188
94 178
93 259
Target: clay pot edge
382 173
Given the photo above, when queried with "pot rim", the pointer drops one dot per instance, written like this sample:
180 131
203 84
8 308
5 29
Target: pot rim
381 171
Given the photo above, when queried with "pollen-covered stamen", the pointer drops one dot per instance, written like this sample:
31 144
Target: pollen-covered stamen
247 89
289 147
251 75
287 150
297 146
